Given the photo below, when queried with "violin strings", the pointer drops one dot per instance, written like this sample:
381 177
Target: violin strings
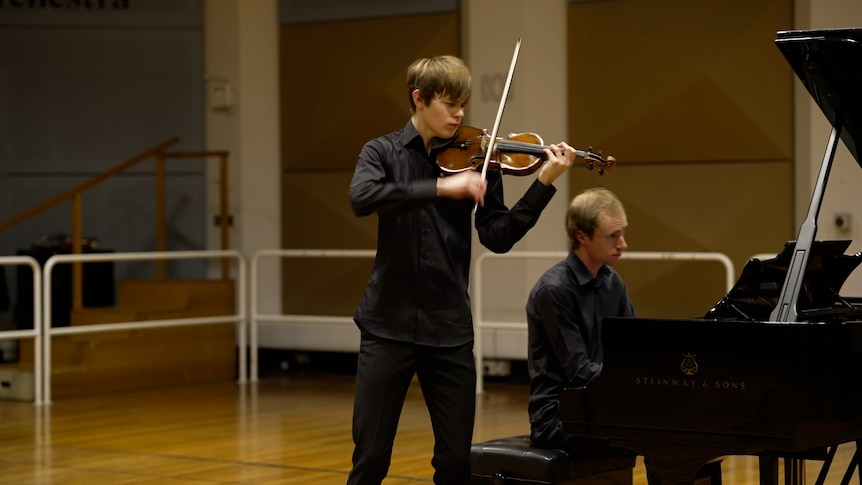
532 149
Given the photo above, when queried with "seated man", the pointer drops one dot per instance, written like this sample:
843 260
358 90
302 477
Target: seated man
565 311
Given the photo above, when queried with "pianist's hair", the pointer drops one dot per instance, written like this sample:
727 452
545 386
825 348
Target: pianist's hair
439 76
583 213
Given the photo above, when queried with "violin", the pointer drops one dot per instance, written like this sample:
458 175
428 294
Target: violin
516 154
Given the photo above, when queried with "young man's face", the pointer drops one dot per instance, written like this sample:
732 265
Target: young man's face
443 116
607 243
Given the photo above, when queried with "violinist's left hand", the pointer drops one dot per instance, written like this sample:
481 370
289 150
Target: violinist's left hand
559 158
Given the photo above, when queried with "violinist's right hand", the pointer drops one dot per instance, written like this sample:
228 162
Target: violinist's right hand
468 184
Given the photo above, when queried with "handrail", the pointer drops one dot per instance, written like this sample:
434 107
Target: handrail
74 195
478 320
71 193
239 317
36 332
290 253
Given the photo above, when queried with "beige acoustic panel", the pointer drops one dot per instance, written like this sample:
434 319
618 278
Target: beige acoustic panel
323 286
660 289
343 83
670 80
316 214
736 208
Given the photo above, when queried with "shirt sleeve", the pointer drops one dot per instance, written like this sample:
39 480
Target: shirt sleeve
499 227
376 189
565 335
627 308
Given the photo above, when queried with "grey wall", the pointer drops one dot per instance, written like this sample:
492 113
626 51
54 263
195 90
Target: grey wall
84 86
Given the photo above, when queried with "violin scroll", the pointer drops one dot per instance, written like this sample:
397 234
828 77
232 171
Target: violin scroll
594 160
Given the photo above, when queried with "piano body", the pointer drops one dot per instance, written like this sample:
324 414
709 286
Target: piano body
775 368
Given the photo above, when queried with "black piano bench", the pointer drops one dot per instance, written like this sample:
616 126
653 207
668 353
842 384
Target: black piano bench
512 461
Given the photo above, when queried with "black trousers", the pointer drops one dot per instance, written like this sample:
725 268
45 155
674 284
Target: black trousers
447 377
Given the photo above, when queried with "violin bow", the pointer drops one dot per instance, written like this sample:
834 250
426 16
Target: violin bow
496 127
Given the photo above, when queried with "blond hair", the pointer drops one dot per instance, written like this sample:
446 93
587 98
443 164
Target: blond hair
584 210
439 76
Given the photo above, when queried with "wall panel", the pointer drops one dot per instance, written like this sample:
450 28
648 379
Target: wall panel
343 83
695 101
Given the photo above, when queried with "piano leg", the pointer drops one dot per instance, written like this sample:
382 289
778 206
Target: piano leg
794 471
856 459
768 470
853 466
827 463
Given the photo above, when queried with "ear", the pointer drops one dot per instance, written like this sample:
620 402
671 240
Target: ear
581 236
417 98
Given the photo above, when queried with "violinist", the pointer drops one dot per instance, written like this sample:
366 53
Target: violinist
415 317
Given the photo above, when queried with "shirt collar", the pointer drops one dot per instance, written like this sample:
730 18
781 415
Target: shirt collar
583 275
409 135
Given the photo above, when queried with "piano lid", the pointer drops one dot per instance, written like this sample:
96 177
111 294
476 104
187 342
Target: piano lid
829 64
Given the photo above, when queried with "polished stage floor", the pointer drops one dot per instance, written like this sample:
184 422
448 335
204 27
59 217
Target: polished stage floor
292 428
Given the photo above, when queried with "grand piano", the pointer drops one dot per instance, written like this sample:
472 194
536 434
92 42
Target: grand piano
774 369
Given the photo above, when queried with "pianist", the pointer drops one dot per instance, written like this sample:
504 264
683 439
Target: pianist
564 314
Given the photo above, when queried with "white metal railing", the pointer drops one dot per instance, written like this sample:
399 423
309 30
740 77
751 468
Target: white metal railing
280 317
479 322
42 331
36 332
239 318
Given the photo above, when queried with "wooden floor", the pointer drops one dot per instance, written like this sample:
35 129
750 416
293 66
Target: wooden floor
289 429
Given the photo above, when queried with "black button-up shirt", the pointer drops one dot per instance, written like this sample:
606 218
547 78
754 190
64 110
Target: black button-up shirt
564 322
418 289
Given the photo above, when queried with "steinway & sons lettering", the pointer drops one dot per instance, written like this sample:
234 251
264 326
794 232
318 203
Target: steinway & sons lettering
674 382
689 368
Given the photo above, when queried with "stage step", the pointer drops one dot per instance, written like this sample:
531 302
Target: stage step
145 358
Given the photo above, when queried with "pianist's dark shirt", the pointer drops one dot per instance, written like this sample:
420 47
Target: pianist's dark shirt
564 315
417 291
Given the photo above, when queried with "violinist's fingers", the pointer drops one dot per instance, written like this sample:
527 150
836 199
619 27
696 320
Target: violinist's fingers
479 196
568 152
464 185
477 188
560 158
